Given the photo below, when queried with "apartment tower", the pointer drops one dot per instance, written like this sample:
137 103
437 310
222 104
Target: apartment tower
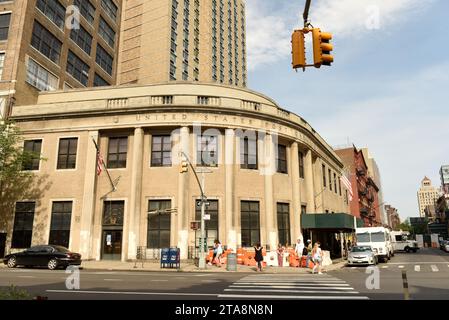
183 40
427 197
42 49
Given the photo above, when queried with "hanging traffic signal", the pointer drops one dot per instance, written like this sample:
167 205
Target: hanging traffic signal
322 48
298 49
184 166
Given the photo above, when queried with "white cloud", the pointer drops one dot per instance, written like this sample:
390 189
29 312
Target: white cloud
269 26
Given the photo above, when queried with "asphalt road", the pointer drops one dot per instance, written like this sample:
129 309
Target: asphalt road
427 273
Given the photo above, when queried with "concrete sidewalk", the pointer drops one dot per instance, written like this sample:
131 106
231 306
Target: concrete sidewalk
189 266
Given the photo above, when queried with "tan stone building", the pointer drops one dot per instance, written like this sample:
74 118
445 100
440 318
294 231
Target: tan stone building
190 40
267 167
41 49
427 197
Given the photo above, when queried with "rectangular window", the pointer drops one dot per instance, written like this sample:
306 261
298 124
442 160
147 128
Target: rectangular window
87 10
77 68
61 218
46 43
53 10
330 178
104 59
34 147
2 62
303 209
248 152
110 8
4 25
106 32
113 212
283 216
161 151
82 38
207 151
281 159
211 225
67 153
23 225
117 151
339 185
324 176
335 182
250 223
158 230
40 77
301 165
99 81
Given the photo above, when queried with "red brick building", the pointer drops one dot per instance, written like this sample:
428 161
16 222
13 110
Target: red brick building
365 200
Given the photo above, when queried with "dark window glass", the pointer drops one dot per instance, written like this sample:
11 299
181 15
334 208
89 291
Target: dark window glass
283 223
282 159
158 232
339 186
61 215
82 38
113 213
117 150
4 25
99 81
34 147
53 10
161 151
329 172
106 32
77 68
110 8
303 209
301 165
46 43
104 59
335 182
250 222
207 151
87 10
211 226
248 153
67 153
324 175
23 225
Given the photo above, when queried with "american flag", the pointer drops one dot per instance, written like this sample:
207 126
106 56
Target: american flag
99 163
347 183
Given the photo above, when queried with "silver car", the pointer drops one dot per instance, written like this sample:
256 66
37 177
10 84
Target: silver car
362 255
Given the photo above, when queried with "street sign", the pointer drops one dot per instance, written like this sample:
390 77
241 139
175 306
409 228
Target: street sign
198 203
207 217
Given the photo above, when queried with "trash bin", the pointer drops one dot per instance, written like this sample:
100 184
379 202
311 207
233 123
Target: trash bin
231 262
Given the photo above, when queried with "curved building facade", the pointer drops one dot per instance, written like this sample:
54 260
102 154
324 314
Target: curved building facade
264 167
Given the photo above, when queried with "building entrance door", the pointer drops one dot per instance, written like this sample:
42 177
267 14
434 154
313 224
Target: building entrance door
112 245
2 244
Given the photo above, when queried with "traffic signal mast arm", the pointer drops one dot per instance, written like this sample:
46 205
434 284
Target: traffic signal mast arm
203 197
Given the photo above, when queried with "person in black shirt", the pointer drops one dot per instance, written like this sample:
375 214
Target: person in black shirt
259 257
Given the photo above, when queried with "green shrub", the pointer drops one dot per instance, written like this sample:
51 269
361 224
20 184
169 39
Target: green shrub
14 293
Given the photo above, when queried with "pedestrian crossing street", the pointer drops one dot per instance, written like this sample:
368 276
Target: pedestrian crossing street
410 267
291 286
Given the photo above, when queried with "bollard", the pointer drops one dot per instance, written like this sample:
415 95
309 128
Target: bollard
405 285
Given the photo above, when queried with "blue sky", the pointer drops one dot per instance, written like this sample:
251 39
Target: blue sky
387 90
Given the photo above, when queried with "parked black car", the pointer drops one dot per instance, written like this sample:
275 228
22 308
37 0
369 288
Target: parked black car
50 256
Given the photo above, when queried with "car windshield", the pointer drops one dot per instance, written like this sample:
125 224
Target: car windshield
363 237
61 249
361 249
377 237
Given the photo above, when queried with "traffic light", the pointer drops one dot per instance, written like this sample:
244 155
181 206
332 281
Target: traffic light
184 166
298 49
322 48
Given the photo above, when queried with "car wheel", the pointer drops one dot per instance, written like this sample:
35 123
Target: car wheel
12 262
52 264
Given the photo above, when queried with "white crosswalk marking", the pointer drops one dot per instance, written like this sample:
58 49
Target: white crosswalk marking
401 267
417 268
384 267
301 287
434 268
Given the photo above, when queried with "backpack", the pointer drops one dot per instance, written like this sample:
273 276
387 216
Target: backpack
305 252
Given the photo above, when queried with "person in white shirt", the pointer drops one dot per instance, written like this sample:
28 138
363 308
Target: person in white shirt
299 248
317 256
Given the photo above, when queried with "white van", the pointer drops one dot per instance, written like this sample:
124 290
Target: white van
401 241
379 239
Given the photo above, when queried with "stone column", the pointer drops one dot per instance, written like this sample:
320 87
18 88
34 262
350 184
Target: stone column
270 166
295 211
308 175
88 204
231 236
183 209
136 194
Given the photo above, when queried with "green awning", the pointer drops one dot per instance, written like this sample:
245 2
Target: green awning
334 221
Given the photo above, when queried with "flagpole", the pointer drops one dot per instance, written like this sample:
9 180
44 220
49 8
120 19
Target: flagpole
102 161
